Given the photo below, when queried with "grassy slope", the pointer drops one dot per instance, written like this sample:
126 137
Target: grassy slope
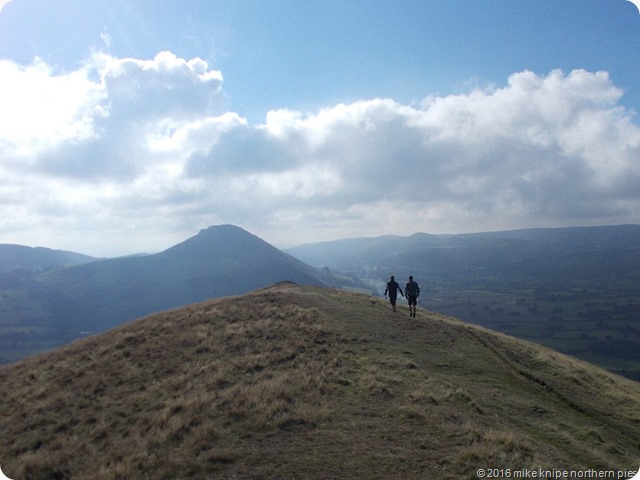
304 382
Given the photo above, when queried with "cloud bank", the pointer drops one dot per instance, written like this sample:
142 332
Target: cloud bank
123 155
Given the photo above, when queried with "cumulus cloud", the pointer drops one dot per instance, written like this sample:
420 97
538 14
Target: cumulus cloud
149 146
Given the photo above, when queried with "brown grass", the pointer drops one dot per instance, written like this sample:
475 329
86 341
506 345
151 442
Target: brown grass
306 383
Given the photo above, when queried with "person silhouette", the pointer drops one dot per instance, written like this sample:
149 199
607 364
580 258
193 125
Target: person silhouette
392 289
412 292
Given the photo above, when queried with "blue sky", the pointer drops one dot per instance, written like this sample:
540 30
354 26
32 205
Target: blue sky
128 126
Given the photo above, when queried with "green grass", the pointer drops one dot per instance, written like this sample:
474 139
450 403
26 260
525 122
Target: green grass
309 383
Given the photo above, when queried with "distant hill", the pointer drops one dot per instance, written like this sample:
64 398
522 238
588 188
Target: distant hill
42 310
19 257
541 256
573 289
309 382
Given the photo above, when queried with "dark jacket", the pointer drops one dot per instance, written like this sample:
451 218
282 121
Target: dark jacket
393 288
412 289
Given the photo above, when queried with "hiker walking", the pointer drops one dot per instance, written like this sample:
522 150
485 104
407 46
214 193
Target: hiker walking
392 289
412 292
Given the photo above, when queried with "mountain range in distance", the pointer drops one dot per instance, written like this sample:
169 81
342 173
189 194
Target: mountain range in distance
546 256
576 290
20 257
46 307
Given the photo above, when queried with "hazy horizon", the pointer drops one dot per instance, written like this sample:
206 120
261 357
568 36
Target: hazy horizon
285 247
129 126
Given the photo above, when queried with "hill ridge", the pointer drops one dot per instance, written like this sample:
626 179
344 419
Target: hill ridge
49 308
295 381
20 257
574 289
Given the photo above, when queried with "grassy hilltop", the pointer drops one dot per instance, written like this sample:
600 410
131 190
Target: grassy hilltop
309 383
576 289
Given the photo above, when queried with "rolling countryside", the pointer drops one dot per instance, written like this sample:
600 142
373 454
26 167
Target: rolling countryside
576 290
309 382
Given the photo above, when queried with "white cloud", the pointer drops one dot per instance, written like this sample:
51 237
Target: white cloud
3 3
127 150
166 86
41 110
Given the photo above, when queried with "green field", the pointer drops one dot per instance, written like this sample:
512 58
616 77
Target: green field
600 327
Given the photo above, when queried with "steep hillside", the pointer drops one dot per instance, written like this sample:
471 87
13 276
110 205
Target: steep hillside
19 257
309 382
220 260
54 306
573 289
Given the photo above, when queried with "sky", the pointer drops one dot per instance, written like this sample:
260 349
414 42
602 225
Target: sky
128 126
